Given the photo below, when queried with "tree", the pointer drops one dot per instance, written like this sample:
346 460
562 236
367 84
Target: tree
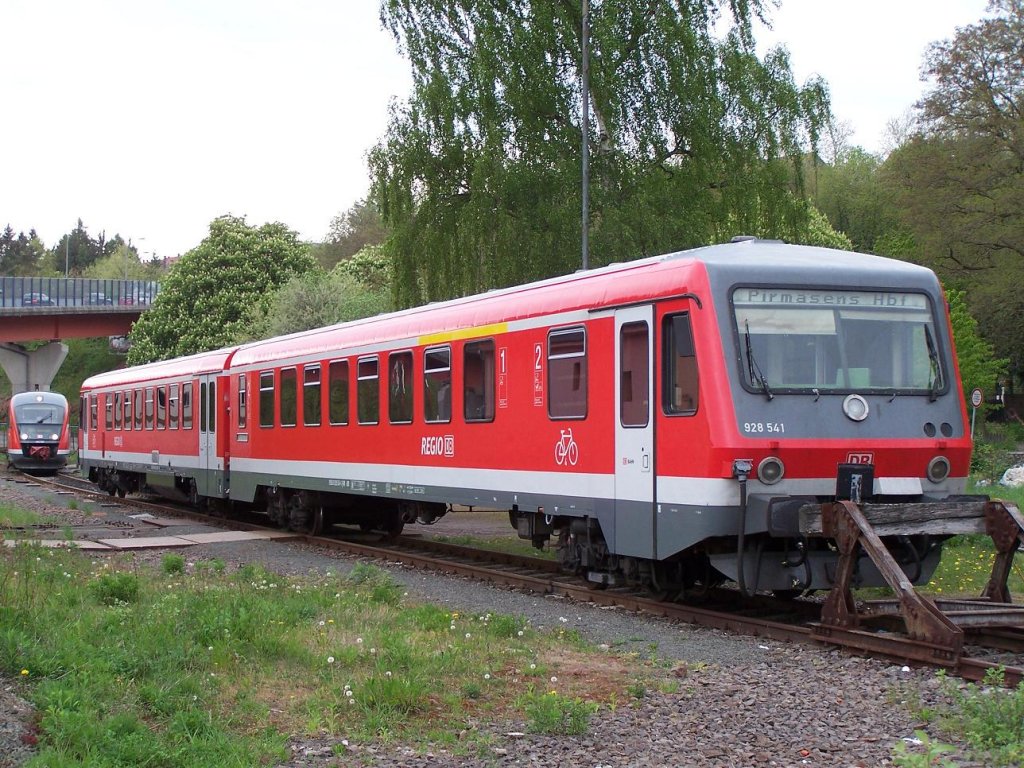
358 227
850 193
979 367
206 297
960 179
478 176
21 255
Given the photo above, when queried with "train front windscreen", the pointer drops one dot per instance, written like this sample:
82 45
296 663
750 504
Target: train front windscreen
39 421
813 340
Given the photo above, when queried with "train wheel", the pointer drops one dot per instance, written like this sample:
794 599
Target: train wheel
393 524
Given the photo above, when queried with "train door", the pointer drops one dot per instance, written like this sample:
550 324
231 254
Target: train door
208 480
634 431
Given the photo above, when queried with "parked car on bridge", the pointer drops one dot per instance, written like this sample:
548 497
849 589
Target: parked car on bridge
98 298
37 300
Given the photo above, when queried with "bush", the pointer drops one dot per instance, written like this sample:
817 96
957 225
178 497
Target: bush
114 588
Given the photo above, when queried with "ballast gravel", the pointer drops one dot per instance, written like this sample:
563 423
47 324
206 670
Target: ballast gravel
740 701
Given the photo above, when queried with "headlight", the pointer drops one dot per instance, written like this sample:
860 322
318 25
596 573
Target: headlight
770 470
54 437
855 407
24 435
938 469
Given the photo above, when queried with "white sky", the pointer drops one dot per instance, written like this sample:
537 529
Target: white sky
150 119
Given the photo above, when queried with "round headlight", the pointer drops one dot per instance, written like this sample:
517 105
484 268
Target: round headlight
855 407
54 437
938 469
770 470
24 435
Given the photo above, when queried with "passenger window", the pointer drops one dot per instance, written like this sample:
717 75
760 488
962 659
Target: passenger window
161 408
267 399
126 398
202 407
567 374
338 392
289 397
175 406
478 381
311 396
93 413
634 375
437 385
117 410
108 412
242 378
679 367
368 391
138 396
212 406
400 388
186 405
149 407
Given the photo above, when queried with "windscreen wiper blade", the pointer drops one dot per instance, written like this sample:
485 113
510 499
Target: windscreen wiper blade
935 372
753 368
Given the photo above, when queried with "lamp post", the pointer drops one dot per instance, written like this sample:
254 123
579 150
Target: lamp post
585 127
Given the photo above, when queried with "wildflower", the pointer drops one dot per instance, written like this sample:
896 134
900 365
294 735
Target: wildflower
388 673
330 659
348 693
520 633
323 624
554 679
487 676
359 641
24 671
468 635
533 666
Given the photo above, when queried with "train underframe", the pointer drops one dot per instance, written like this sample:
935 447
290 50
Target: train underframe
787 566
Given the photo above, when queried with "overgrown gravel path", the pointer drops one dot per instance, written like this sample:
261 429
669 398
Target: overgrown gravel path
740 701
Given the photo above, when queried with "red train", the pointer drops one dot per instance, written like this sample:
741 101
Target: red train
38 438
665 419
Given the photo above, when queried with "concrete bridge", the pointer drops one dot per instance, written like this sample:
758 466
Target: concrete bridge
51 309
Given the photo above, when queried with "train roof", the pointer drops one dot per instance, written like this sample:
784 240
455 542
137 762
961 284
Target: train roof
193 365
743 260
39 396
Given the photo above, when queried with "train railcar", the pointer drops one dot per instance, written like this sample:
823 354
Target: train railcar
663 420
38 438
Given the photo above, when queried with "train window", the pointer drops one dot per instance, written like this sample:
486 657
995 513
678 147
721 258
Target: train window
311 396
567 373
161 407
186 405
137 398
174 406
211 406
108 412
117 410
242 378
478 381
149 407
400 388
368 391
93 413
437 385
338 392
267 399
812 339
679 366
126 398
83 409
202 407
289 397
634 375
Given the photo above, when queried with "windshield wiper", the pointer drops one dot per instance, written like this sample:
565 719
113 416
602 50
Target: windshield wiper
753 368
935 372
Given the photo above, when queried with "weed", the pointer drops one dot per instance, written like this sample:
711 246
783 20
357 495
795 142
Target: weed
555 714
115 588
931 756
173 564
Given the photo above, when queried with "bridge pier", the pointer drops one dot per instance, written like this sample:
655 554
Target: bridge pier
33 370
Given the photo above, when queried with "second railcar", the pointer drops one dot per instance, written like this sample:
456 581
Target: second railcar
38 437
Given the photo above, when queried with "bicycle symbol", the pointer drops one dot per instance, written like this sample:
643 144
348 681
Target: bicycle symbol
566 449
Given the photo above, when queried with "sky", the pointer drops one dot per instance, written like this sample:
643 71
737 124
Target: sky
150 119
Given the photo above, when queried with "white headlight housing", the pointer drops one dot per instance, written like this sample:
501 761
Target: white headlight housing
856 407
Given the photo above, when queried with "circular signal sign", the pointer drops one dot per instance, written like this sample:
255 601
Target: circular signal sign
977 398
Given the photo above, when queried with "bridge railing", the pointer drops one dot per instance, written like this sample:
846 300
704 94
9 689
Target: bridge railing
39 292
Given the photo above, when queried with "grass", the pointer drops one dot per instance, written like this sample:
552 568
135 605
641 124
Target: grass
507 544
12 517
196 666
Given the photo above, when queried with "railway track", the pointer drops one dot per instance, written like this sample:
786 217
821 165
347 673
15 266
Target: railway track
985 649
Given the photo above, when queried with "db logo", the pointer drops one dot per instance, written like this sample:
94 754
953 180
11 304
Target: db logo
860 458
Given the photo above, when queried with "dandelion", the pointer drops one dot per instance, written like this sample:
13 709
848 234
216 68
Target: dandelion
554 679
330 621
359 641
388 673
348 693
323 623
468 635
520 633
373 651
209 648
351 701
533 666
487 676
330 659
24 672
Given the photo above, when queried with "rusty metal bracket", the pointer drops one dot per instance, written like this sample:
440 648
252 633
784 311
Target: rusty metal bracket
844 522
1005 524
